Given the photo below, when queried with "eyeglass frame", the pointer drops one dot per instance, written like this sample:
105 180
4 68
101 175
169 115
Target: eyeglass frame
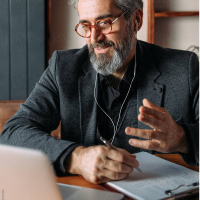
94 26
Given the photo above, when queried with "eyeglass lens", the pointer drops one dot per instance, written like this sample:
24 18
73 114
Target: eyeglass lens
102 26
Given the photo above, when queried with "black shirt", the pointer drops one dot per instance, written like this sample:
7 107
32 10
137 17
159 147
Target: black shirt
111 100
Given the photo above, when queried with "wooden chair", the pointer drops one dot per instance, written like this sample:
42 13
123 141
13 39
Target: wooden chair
9 108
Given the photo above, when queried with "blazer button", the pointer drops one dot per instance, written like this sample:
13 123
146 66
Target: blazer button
159 90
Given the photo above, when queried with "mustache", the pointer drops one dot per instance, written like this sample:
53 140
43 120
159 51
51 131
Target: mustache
101 44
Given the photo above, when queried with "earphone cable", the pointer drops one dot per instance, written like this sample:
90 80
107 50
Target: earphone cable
115 127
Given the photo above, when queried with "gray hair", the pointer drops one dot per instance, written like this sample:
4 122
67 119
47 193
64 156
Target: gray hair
124 5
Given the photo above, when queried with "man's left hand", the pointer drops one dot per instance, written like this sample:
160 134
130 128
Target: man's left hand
167 136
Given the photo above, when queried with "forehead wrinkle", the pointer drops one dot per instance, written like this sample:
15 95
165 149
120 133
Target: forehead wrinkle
92 10
85 6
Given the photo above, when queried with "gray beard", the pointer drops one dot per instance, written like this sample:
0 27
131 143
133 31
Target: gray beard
107 65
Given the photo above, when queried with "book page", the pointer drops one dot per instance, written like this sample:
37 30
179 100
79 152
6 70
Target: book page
158 176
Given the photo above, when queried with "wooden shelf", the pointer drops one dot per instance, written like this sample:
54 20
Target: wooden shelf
152 15
175 14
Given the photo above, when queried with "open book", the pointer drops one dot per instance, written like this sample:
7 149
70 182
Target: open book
160 179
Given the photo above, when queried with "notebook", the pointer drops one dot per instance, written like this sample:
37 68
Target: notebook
160 179
27 175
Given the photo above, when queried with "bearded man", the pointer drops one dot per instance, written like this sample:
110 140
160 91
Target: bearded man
139 96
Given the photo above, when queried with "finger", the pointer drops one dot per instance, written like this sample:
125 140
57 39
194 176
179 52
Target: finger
122 157
147 144
117 166
152 122
112 175
146 133
148 104
152 112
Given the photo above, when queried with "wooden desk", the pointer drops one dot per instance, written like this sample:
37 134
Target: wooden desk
80 181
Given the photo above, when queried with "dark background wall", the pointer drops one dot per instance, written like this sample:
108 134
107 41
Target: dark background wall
22 47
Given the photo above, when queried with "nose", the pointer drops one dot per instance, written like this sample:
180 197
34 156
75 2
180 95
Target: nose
96 36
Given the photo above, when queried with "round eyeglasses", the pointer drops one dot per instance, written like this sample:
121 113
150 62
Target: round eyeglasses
102 26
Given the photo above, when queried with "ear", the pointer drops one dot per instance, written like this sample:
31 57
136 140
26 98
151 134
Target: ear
138 15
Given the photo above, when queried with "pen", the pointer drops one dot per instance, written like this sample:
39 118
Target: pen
113 147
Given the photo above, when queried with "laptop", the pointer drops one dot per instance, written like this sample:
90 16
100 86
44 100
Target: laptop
27 175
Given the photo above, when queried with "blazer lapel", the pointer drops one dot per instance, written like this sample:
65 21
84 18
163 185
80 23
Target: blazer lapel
88 106
147 86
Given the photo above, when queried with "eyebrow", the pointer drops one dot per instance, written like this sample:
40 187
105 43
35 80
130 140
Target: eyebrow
97 18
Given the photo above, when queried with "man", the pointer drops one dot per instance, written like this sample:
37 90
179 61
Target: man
105 86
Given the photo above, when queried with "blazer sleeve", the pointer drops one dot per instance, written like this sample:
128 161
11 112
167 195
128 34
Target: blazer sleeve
192 129
33 123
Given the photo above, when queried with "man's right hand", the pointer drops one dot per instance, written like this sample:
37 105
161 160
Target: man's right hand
100 164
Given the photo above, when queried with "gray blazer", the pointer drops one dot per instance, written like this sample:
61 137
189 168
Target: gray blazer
168 78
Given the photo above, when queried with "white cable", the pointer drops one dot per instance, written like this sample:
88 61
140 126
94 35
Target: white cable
100 106
125 100
115 127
